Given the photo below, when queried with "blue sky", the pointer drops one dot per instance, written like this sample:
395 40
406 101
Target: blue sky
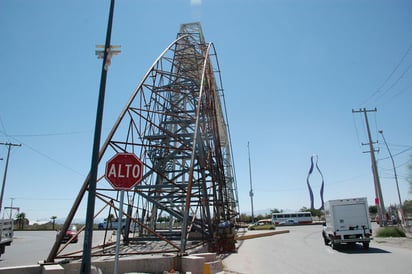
292 73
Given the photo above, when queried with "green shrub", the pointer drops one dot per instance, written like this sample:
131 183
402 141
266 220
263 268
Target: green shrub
390 232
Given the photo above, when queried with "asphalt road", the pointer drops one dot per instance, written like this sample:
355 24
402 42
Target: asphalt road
302 251
27 248
299 251
30 247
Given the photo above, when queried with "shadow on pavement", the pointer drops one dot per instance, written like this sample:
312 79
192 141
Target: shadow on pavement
358 249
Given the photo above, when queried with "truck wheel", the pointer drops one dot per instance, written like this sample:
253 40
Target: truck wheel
325 239
366 245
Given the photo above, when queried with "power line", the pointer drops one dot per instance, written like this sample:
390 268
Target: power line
48 157
399 153
395 83
400 92
2 125
356 130
379 89
44 134
394 70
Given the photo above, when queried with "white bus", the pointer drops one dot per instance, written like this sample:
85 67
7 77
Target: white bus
292 218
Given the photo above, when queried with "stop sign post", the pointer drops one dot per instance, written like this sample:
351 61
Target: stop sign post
124 171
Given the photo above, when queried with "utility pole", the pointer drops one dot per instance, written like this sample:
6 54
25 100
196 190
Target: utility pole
5 169
378 191
396 179
11 209
251 188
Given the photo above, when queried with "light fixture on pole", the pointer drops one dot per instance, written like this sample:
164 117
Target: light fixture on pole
396 177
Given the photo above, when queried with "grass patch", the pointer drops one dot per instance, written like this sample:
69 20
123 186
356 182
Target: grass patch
390 232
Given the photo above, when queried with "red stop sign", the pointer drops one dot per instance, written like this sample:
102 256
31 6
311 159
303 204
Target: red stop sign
124 171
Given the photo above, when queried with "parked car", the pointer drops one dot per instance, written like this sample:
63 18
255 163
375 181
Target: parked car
71 232
262 224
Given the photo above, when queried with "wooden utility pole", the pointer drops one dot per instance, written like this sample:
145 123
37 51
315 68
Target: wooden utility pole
251 187
378 191
5 170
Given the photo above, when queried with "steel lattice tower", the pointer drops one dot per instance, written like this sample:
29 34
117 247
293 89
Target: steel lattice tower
175 122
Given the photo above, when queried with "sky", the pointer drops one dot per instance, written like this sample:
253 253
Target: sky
292 73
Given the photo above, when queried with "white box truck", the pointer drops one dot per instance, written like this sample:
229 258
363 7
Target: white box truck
6 234
347 222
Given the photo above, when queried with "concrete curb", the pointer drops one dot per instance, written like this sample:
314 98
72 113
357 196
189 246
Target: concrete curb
258 235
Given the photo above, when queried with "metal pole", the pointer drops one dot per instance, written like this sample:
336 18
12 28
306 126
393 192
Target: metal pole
250 179
88 234
396 178
11 207
5 171
119 232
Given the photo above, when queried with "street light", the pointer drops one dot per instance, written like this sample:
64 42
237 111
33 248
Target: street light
396 176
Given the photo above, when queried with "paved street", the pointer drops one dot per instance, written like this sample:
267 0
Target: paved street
30 247
299 251
302 251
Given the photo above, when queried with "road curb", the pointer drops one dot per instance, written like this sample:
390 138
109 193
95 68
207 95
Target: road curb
259 235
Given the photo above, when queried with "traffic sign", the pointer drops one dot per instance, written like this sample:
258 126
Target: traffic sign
124 171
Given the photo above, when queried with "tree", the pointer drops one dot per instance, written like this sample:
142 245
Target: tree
163 219
243 218
314 212
263 216
109 220
53 218
21 219
373 210
407 206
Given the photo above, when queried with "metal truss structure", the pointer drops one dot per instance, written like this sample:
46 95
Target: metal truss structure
175 122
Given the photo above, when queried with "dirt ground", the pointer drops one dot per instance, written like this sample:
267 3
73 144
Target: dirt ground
403 242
